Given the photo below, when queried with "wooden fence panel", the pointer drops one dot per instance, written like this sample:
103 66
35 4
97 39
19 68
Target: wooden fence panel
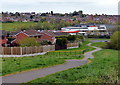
23 50
1 51
7 50
16 50
72 44
26 50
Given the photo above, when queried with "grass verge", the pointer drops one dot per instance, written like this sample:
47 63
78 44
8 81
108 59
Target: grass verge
18 64
102 69
99 44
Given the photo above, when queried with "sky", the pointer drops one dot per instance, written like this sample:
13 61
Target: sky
109 7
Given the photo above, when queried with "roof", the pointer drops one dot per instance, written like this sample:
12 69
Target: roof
50 33
28 32
3 32
31 32
14 33
60 34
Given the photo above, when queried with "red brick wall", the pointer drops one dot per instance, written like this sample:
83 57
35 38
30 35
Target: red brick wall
4 41
47 37
20 36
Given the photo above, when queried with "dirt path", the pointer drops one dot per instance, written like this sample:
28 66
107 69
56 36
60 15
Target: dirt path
30 75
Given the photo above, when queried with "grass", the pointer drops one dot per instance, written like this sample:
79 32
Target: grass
17 64
102 69
97 39
17 25
98 44
0 66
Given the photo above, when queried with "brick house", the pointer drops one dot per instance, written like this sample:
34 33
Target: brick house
38 35
3 38
17 36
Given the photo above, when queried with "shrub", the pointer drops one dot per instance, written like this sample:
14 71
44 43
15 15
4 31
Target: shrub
71 38
27 42
45 42
115 41
61 41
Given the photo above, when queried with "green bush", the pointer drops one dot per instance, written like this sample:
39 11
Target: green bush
45 42
71 38
61 41
27 42
115 41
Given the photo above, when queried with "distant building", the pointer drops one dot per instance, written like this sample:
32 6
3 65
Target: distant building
84 28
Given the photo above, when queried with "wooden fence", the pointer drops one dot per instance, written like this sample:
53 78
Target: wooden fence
30 50
26 50
72 45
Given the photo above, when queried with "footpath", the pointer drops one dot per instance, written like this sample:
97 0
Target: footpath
33 74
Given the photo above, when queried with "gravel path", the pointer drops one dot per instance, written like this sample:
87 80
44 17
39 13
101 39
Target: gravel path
30 75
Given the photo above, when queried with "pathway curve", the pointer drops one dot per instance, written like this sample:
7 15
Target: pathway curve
30 75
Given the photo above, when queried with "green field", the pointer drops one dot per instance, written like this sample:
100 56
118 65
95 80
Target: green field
97 39
99 44
102 69
17 64
17 25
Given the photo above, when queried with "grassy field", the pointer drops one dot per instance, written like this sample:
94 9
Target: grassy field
102 69
17 25
17 64
0 66
97 39
98 44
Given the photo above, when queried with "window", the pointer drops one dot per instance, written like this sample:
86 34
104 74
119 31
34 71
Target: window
39 36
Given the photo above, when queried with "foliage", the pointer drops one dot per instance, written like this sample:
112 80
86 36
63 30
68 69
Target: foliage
45 42
71 38
27 42
61 41
115 41
80 38
98 36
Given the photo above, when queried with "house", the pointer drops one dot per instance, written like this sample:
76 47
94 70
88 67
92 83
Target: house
45 35
38 35
52 35
3 38
19 35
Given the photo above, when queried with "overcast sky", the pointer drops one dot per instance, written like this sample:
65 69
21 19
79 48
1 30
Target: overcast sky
61 6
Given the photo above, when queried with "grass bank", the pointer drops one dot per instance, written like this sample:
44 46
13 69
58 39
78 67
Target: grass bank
17 25
17 64
97 39
102 69
99 44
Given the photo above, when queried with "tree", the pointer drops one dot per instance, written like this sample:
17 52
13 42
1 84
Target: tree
115 41
71 38
80 13
27 42
51 12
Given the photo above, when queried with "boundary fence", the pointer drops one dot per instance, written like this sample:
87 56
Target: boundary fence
26 50
30 50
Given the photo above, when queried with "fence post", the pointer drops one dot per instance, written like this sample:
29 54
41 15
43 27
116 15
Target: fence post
11 50
26 49
21 50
